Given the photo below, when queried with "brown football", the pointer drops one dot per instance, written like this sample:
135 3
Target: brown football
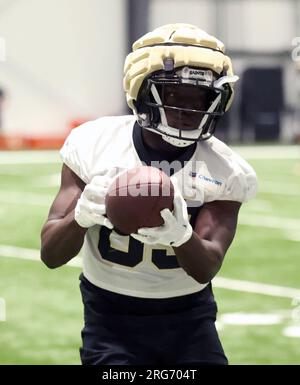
136 197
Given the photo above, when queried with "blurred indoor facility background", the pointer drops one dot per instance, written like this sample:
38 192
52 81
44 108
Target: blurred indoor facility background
61 64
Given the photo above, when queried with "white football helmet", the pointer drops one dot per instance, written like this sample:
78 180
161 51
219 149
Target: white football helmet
178 55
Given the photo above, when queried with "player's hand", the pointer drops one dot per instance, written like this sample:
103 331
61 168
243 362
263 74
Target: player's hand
176 229
90 209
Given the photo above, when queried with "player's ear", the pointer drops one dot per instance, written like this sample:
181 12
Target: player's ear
151 113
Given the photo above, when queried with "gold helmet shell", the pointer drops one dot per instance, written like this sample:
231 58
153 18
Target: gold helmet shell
186 44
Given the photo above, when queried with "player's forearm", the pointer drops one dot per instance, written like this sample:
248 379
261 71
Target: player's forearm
199 258
61 240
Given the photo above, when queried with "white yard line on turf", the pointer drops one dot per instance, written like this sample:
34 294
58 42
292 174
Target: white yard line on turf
292 331
249 152
219 282
2 310
29 157
256 288
271 222
278 191
25 198
52 180
279 188
30 254
260 205
268 152
293 235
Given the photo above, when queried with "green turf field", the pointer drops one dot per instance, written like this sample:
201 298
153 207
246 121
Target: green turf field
258 324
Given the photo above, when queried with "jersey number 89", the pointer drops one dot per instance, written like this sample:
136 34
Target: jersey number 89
134 252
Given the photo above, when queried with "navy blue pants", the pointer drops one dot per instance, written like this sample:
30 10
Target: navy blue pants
124 330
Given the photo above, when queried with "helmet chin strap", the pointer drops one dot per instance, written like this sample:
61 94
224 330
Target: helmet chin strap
177 142
166 129
174 141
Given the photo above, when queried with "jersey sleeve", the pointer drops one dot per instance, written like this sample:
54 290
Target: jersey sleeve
78 148
242 184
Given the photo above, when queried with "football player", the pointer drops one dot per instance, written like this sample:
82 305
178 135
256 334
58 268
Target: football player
148 297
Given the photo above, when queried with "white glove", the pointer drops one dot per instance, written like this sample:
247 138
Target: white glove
90 208
175 231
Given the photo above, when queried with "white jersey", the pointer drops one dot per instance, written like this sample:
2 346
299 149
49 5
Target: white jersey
122 264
